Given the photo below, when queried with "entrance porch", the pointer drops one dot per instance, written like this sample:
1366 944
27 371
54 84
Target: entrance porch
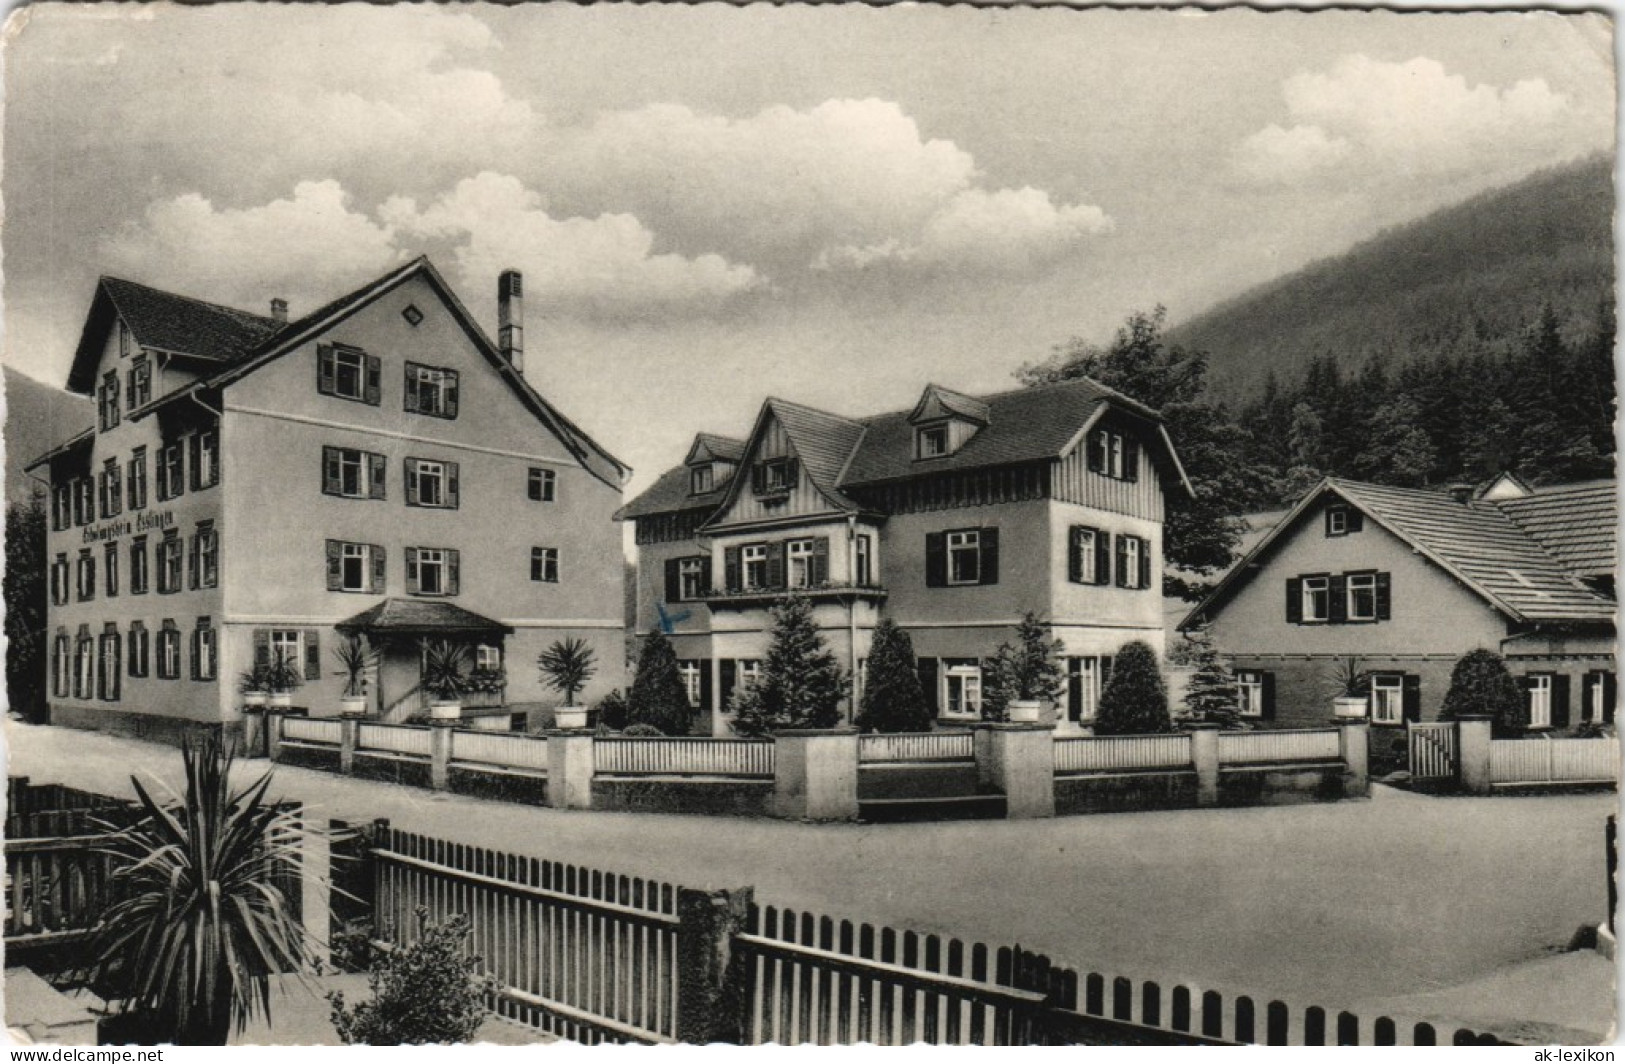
400 629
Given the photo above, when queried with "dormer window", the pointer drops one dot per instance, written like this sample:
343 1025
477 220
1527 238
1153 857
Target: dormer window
1114 455
774 476
702 479
931 441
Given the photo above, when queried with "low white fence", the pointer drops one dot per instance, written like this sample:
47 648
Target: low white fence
498 749
917 746
1554 760
308 730
683 757
394 739
1432 750
1260 747
1106 753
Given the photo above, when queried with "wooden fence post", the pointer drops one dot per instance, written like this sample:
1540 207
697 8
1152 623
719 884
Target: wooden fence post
711 998
352 875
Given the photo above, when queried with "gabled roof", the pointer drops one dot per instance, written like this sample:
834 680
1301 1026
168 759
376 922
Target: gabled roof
1576 523
937 401
1477 542
593 458
164 321
420 617
842 453
710 447
671 494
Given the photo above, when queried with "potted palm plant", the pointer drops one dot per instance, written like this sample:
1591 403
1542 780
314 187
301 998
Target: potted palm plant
567 666
356 658
445 675
1350 686
283 675
201 920
252 685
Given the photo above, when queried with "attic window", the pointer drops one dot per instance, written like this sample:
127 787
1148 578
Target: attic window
1342 520
412 315
775 476
931 441
702 479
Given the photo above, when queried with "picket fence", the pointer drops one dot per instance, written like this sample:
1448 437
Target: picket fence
322 731
683 757
393 739
1263 747
1115 753
1432 750
917 747
1537 761
501 750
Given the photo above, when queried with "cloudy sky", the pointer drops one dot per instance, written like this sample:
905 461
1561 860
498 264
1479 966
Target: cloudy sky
711 205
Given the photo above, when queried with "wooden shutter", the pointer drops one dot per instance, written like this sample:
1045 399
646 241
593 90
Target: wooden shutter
775 564
1074 554
1337 606
730 568
1120 561
411 390
1294 600
1588 687
372 389
380 568
758 479
196 654
792 473
1412 696
324 369
411 482
193 553
820 561
313 654
377 475
262 647
1131 459
335 565
1356 520
1267 681
1560 701
707 688
412 570
1384 598
1096 453
449 387
730 678
1103 558
1609 693
936 560
674 580
705 574
1145 563
214 655
990 556
1074 688
332 481
928 681
451 571
451 485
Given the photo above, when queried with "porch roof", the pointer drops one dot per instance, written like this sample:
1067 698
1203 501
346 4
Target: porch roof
397 616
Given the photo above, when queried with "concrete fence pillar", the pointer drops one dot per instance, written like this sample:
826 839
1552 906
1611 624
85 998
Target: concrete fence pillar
1018 761
711 977
349 739
440 753
569 769
1473 753
352 877
1205 756
273 731
815 774
1353 746
254 732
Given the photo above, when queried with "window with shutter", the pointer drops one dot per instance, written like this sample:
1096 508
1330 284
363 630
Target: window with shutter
431 390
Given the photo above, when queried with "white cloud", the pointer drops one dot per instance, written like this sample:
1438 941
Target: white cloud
306 248
1415 118
574 267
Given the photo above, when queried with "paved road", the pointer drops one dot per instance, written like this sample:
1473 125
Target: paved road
1331 904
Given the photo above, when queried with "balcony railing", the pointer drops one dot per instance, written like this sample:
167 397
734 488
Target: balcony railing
744 598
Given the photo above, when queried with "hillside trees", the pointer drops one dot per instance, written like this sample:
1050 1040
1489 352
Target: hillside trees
25 602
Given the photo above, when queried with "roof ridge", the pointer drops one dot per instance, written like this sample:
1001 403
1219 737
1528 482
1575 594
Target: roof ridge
775 400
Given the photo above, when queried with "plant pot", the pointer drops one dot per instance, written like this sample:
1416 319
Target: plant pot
353 705
570 717
1348 706
254 699
451 710
1026 711
280 699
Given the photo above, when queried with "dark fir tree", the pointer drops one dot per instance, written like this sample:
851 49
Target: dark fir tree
1135 702
25 602
893 700
1211 697
1481 685
658 697
1028 670
801 684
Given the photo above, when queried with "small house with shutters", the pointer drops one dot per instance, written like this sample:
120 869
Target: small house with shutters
260 485
952 518
1405 581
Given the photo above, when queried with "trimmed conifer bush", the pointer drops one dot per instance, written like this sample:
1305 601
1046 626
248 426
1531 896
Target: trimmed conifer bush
801 684
1135 702
658 697
1481 685
893 700
1211 697
1028 670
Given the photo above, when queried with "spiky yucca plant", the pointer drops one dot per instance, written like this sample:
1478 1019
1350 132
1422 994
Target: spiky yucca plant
200 921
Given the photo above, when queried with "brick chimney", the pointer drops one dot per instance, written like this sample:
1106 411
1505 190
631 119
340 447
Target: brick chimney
279 309
511 318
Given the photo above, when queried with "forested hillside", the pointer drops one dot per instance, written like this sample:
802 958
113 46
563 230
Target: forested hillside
38 417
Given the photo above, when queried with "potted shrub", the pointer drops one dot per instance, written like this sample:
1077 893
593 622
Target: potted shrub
567 666
1350 685
282 676
1026 679
356 658
253 686
445 667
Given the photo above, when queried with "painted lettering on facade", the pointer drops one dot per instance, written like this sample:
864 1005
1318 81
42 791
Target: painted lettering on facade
144 522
